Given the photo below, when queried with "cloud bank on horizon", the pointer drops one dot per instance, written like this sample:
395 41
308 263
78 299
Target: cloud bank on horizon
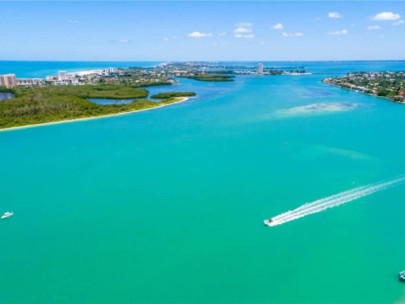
202 31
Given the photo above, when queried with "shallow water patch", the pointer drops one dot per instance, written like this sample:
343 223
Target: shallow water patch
316 109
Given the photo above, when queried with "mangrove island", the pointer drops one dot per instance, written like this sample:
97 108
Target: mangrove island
49 103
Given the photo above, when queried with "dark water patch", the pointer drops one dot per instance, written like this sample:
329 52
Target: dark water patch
5 96
106 101
317 92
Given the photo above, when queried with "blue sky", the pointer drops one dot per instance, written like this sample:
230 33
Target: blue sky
209 30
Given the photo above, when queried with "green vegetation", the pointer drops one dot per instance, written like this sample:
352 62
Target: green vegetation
109 91
54 103
383 92
390 85
172 94
213 77
7 90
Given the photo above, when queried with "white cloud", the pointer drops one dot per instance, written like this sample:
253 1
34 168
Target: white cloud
245 36
199 35
386 16
373 27
244 30
334 15
296 34
339 33
399 22
124 40
278 26
222 34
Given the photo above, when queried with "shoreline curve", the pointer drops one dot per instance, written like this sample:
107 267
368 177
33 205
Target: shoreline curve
90 117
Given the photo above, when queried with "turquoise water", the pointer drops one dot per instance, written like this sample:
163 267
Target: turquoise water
167 206
41 69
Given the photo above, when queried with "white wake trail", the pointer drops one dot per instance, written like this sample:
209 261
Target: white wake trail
319 202
331 201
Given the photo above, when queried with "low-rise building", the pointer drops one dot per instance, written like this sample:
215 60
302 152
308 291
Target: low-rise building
29 82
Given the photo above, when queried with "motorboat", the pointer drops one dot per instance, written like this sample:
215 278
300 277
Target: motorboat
268 222
402 276
7 215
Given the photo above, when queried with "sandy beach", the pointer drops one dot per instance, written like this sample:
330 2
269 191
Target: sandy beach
91 117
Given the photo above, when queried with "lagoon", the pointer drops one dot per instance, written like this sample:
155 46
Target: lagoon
106 101
168 205
4 96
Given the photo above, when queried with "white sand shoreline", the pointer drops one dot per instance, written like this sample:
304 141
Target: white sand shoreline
89 118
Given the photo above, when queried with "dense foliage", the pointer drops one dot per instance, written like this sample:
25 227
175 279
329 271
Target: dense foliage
6 90
390 85
109 91
172 94
54 103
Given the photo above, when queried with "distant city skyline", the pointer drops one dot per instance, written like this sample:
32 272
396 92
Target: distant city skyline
217 31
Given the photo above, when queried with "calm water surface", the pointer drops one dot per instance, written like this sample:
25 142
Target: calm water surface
106 101
5 96
167 205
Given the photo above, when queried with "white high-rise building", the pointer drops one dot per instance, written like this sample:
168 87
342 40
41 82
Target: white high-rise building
109 71
62 75
260 68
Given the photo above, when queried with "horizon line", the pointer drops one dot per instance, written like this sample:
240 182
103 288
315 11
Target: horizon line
203 60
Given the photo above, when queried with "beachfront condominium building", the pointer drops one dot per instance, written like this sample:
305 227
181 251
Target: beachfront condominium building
260 69
8 81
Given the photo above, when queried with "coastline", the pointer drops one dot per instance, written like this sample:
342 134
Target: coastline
364 93
91 117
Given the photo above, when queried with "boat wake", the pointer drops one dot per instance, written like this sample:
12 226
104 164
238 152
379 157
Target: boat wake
331 201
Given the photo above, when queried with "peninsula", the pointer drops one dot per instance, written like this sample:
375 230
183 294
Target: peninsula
108 91
390 85
45 104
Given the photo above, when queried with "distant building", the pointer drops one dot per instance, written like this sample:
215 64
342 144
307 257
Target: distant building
8 81
260 68
110 71
29 82
60 83
62 75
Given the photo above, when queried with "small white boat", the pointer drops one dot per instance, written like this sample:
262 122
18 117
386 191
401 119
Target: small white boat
402 276
268 222
7 215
